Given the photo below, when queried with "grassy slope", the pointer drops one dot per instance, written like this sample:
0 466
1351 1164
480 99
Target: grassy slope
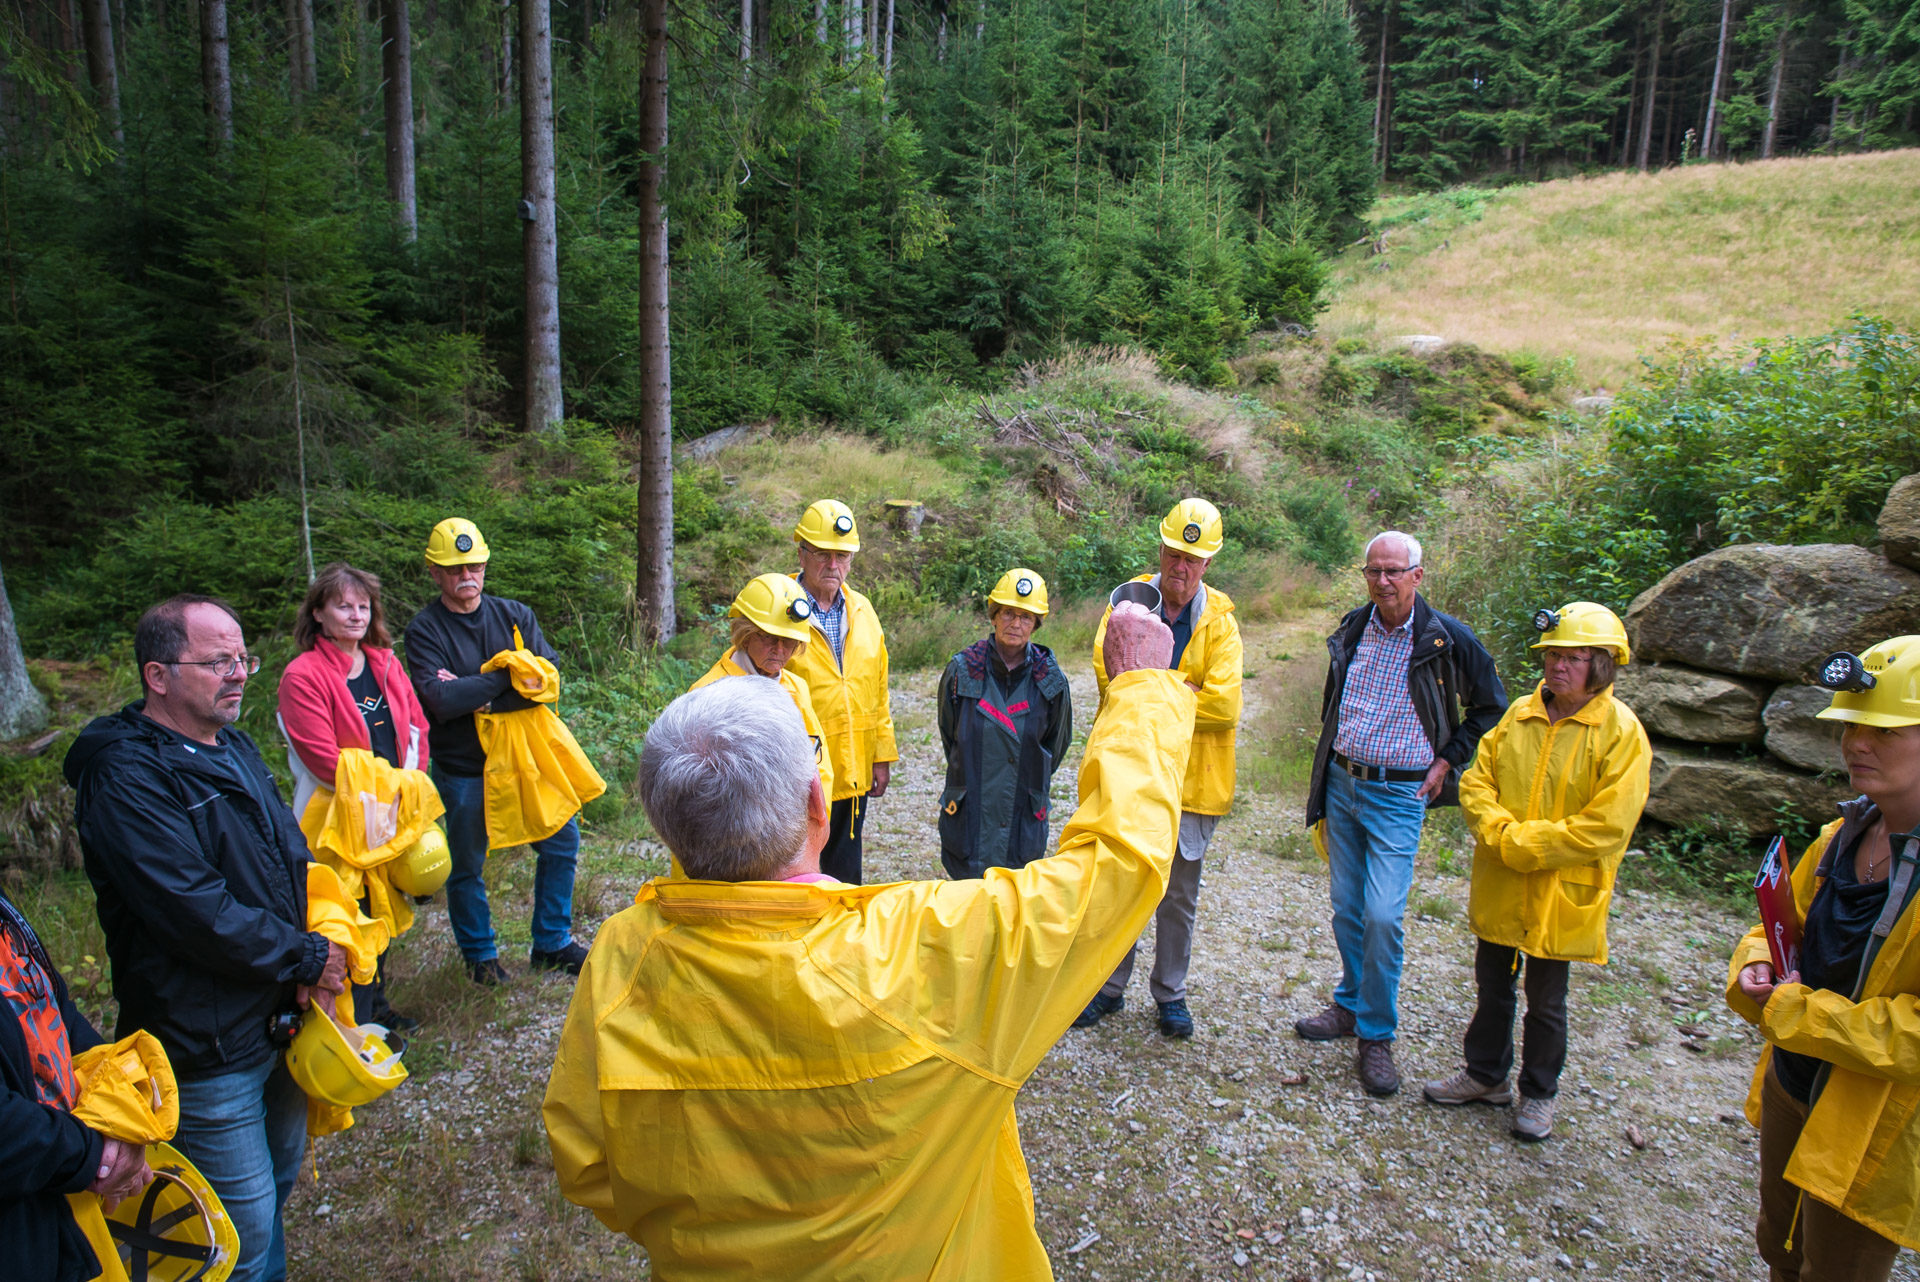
1602 269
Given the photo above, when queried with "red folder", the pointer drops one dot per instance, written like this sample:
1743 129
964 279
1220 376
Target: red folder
1778 913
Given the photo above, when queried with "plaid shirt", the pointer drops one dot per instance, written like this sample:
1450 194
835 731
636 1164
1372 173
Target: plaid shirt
1378 726
832 622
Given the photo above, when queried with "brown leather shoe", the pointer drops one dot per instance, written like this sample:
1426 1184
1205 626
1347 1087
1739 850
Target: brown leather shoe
1377 1072
1331 1024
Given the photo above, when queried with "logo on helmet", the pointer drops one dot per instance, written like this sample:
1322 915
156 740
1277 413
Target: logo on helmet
1192 533
1024 587
463 543
844 524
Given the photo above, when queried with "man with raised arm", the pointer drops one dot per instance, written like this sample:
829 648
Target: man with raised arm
766 1073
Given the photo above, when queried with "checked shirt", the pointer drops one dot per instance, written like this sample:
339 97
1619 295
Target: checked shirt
1378 726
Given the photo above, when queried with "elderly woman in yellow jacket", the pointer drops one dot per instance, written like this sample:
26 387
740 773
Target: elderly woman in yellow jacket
1552 797
1836 1094
771 624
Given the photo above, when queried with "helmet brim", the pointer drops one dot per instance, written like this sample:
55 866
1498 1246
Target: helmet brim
1862 717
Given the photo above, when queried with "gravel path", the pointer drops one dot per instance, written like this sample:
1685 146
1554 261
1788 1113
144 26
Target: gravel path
1244 1153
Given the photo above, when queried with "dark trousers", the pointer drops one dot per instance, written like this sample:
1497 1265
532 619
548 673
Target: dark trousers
1827 1246
840 857
1490 1035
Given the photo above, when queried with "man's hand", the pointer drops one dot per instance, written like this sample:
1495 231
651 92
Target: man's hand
1136 640
444 675
1757 981
123 1171
332 981
882 775
1436 779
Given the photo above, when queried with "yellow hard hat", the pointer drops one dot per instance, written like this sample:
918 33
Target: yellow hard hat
423 867
1193 527
1580 623
1880 687
175 1229
456 541
829 526
345 1067
777 605
1023 590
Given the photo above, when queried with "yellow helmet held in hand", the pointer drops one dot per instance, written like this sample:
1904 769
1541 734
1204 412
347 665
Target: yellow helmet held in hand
1022 589
456 541
829 526
422 868
1193 527
345 1067
1582 623
175 1229
1880 687
777 605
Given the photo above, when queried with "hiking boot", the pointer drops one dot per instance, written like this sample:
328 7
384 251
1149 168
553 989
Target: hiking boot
488 974
1331 1024
1377 1072
1175 1019
393 1021
1098 1009
1533 1120
1464 1088
567 959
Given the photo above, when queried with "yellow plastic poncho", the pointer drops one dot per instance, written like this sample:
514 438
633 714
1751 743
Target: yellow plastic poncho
851 698
127 1093
796 689
373 812
810 1082
1553 805
1212 662
1860 1150
334 913
536 776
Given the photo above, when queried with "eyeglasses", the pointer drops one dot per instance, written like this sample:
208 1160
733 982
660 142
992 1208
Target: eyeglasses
1384 572
223 668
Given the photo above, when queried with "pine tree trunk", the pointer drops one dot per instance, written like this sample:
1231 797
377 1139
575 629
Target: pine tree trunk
396 37
820 20
506 53
1773 89
306 56
746 31
1708 135
940 40
853 24
67 37
216 74
539 239
22 710
1653 90
886 61
96 22
1380 92
653 561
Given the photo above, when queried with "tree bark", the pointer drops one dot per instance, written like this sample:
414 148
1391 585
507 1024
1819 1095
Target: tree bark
396 35
886 61
1774 88
746 31
820 20
1708 136
303 60
216 74
853 25
1653 90
1380 92
96 25
22 710
506 53
653 561
539 240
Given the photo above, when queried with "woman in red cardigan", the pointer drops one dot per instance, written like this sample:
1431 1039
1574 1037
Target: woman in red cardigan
345 689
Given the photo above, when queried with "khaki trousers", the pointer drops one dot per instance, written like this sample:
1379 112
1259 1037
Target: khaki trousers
1827 1246
1173 920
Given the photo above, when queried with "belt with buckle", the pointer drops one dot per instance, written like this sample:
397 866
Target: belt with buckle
1378 774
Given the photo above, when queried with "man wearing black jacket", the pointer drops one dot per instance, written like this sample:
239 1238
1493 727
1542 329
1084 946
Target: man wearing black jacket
200 876
1409 693
448 643
46 1152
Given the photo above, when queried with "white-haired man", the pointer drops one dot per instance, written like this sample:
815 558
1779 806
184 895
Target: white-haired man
765 1073
1409 693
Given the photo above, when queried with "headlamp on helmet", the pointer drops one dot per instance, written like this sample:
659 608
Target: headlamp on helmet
1546 620
1844 672
799 610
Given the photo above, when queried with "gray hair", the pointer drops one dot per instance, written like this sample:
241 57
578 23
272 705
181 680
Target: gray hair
724 778
1407 541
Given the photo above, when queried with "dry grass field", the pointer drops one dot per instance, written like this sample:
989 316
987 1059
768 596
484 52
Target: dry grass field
1603 269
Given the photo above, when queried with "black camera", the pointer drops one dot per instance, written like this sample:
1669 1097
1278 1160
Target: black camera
281 1026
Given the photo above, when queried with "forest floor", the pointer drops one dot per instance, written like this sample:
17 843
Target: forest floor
1243 1153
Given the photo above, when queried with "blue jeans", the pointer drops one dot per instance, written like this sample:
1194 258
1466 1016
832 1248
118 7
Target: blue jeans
1373 832
247 1131
466 800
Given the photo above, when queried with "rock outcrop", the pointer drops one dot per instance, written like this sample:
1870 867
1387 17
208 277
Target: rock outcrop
1795 735
1772 611
1685 703
1692 784
1900 522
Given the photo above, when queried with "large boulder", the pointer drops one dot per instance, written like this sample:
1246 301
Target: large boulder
1685 703
1794 732
1900 522
1764 610
1701 783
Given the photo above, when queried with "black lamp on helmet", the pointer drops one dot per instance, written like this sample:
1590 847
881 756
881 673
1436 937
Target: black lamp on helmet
798 610
1846 673
1546 620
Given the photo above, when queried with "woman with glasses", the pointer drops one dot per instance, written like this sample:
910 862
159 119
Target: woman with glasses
345 689
772 620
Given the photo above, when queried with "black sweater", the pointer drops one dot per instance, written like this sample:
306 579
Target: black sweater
438 638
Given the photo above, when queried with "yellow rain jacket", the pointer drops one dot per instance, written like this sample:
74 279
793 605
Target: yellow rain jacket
537 777
725 666
1553 806
127 1093
851 699
333 912
1212 662
373 812
1860 1150
811 1082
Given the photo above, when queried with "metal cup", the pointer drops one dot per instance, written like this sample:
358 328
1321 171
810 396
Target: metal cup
1139 592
